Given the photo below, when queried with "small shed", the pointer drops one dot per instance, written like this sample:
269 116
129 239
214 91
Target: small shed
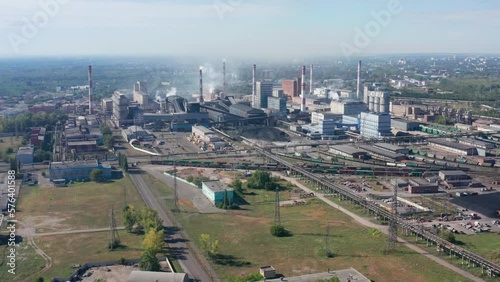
268 271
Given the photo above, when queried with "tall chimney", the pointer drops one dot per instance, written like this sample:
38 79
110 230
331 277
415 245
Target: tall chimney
201 86
358 88
224 77
254 87
311 80
90 90
303 104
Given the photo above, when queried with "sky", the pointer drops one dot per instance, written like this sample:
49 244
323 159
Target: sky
247 28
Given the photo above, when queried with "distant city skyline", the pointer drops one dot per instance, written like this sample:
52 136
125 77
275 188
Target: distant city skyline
239 28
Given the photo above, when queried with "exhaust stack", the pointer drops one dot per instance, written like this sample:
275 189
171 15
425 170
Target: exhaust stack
358 88
254 88
201 86
303 104
90 90
311 80
224 81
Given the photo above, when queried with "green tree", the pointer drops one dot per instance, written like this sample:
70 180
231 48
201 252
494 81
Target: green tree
13 163
154 241
208 245
105 130
108 141
149 262
259 179
96 175
149 220
278 230
237 185
39 279
448 236
129 217
9 151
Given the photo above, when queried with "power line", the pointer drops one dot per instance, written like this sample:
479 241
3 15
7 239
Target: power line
277 215
393 225
114 238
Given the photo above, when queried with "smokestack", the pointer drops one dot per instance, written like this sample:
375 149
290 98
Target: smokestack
311 80
201 86
358 88
224 77
254 88
90 90
303 104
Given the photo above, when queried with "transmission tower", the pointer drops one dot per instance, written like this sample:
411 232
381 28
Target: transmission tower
277 215
176 195
114 239
393 225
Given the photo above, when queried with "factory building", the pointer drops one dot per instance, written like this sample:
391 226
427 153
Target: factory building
291 88
277 104
78 170
179 121
420 185
398 182
206 138
82 146
375 125
392 148
107 105
245 111
137 132
263 91
453 147
455 178
382 154
347 107
377 101
351 121
215 190
477 143
25 155
140 94
348 151
37 136
405 125
120 108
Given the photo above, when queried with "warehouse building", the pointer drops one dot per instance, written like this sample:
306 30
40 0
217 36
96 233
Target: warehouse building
398 182
82 146
477 143
382 154
375 125
348 151
25 155
392 148
347 107
455 178
215 190
136 132
420 185
245 111
77 170
405 125
454 147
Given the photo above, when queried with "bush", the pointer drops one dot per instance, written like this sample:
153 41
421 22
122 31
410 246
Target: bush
278 230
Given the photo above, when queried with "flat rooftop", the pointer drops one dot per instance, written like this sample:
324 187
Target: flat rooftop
388 146
87 163
452 172
82 143
420 182
454 145
381 152
25 151
347 149
216 186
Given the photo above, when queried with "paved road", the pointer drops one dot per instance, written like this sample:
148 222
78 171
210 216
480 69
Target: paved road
176 238
383 229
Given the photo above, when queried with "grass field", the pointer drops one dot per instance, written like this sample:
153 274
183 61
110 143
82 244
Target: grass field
27 262
247 244
79 206
66 250
484 244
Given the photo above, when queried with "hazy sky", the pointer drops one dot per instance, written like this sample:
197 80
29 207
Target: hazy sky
247 28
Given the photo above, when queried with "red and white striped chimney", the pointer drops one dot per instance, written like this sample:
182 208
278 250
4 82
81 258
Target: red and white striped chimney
303 104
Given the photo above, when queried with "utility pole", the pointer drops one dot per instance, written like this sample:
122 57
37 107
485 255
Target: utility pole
328 250
114 239
176 195
277 215
393 225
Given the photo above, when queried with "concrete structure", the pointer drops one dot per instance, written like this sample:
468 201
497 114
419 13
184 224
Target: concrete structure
279 93
277 104
352 120
107 105
358 82
303 91
375 125
37 136
263 91
215 190
25 155
464 127
137 132
267 271
348 151
150 276
291 87
120 108
419 185
254 89
140 93
82 146
398 182
91 88
392 148
347 107
455 178
405 125
78 170
179 121
454 147
378 101
245 111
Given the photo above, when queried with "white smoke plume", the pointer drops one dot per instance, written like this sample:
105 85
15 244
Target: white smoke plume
172 92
